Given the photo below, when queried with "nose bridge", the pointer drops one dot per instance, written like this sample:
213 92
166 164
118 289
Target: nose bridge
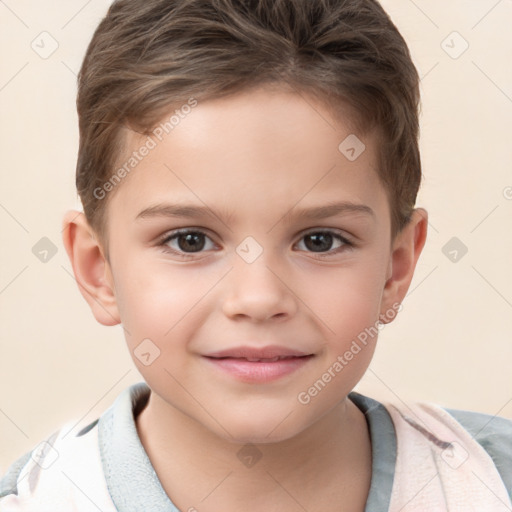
256 286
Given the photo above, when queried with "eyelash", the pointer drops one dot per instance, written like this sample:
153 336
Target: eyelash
347 244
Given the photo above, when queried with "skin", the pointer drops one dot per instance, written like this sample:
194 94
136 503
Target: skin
256 157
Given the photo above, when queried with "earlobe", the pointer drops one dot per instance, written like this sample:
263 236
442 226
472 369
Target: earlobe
405 253
90 267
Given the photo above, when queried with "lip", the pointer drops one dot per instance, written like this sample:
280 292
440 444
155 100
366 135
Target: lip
258 365
268 352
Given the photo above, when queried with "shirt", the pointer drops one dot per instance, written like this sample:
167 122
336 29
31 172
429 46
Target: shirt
105 467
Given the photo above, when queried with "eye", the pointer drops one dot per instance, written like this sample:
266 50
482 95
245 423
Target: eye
321 241
186 242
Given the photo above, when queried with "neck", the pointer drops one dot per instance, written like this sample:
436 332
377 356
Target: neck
199 470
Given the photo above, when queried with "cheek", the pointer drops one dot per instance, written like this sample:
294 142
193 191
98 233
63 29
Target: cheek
345 300
153 307
156 301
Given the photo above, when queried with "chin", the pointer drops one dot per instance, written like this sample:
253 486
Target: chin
251 429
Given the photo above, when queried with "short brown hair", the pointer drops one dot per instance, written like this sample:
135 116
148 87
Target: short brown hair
147 56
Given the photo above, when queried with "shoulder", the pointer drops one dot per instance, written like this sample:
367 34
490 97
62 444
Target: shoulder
486 429
63 470
471 442
9 482
74 467
494 434
29 465
413 441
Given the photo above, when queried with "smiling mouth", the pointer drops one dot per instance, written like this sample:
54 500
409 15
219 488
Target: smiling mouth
259 370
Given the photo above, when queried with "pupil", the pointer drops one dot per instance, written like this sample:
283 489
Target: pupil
190 239
319 242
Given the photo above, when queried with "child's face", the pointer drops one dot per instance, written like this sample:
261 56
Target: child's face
250 276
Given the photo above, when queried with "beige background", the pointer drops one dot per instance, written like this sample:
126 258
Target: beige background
452 343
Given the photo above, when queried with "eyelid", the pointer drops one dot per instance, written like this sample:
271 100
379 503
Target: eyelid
162 242
172 233
345 238
337 231
347 241
183 231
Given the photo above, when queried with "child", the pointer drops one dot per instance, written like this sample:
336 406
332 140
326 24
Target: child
258 130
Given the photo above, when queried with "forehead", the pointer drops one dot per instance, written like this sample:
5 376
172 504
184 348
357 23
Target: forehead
264 150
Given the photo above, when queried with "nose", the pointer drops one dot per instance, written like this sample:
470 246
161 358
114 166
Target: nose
258 291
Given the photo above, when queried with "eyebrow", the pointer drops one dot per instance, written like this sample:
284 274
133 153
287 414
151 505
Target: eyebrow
192 211
189 211
331 210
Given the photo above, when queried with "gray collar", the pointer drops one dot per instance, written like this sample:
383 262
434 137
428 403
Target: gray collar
134 485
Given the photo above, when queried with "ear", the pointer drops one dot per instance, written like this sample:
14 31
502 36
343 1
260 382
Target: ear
406 250
91 269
